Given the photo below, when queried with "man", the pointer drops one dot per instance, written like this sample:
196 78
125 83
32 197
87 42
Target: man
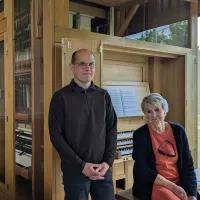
83 126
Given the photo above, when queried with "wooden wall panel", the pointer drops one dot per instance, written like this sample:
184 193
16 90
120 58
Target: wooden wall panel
122 71
191 101
160 14
129 123
125 57
59 189
123 67
167 77
129 171
61 11
2 146
154 76
174 88
198 6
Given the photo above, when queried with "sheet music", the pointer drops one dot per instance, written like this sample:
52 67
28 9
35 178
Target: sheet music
129 102
124 101
115 95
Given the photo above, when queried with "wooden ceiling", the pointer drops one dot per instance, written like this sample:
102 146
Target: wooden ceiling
110 3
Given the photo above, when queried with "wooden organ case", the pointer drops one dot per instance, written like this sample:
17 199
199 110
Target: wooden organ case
137 68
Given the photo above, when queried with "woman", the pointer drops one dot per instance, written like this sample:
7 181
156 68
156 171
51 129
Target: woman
163 168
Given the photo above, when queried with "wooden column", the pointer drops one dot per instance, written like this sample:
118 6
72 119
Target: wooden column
193 42
9 96
37 103
193 25
112 21
55 13
48 47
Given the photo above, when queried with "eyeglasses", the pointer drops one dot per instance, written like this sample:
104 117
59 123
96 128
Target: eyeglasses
167 154
84 65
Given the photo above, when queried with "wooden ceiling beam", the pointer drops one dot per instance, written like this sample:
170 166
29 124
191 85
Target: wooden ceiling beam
126 5
87 10
192 1
109 3
127 21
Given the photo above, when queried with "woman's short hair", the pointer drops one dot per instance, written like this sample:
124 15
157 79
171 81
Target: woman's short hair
155 98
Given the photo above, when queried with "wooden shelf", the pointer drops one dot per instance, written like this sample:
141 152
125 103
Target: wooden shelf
24 172
22 72
25 81
22 116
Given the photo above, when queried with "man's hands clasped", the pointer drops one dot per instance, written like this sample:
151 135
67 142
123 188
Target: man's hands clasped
95 171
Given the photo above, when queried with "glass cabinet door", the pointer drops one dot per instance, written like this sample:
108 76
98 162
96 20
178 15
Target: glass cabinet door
7 139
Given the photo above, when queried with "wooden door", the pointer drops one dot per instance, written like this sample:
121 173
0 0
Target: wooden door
7 139
69 45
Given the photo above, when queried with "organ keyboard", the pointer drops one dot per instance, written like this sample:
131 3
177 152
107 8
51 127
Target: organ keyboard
23 145
124 144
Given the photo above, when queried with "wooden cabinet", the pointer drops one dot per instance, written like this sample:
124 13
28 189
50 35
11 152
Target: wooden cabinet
21 99
7 166
29 143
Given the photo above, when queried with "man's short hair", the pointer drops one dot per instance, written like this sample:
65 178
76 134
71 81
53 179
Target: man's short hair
73 60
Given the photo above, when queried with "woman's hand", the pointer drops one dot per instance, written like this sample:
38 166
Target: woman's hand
179 192
192 198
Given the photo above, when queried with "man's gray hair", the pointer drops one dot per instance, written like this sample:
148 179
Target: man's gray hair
155 98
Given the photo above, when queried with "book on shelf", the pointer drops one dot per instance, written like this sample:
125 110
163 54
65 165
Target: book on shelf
23 95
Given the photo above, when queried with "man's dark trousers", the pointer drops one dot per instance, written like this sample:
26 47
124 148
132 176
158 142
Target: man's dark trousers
77 187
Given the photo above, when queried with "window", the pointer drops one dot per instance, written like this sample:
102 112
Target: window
174 34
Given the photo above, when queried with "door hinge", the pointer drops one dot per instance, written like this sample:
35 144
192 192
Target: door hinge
64 49
195 61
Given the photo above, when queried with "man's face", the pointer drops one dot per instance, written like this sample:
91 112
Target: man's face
84 67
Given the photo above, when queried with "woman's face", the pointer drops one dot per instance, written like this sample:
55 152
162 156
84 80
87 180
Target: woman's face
154 113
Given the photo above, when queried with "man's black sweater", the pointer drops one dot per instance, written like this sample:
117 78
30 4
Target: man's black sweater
83 126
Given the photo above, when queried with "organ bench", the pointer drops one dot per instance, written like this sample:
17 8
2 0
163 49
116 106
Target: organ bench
125 195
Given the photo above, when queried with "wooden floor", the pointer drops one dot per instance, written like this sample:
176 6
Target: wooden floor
23 190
